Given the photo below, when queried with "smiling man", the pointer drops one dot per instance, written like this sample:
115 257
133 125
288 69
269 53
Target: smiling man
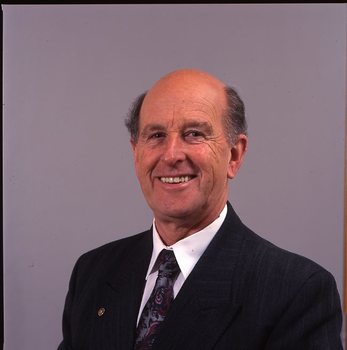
184 154
199 278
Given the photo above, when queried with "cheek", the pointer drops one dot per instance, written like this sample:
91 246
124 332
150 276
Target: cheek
144 162
218 150
221 168
138 162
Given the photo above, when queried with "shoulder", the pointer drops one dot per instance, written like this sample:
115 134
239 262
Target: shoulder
115 248
279 261
263 262
283 276
258 251
96 263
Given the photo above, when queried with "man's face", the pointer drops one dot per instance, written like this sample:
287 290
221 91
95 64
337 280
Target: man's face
182 157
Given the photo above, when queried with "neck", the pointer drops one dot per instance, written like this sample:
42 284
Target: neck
172 230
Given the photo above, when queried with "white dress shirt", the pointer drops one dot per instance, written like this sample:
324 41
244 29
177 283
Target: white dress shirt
187 252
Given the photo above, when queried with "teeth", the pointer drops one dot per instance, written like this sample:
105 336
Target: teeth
175 180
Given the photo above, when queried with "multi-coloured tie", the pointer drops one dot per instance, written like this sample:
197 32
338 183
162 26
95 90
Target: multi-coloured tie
159 302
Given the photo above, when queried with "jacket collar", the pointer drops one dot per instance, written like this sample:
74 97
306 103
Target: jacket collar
208 300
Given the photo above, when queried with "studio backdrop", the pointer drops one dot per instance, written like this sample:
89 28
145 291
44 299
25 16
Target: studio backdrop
70 74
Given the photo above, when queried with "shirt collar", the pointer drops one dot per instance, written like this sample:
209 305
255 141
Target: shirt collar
188 250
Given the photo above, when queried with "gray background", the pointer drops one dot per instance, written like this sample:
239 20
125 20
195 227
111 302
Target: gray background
70 74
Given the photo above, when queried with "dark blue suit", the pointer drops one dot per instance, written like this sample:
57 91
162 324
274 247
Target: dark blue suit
243 294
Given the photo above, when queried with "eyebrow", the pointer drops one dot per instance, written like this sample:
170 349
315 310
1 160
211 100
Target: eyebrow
207 127
152 127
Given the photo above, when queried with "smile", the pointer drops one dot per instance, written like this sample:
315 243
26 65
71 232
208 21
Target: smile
175 180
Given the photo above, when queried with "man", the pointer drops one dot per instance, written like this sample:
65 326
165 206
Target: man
220 286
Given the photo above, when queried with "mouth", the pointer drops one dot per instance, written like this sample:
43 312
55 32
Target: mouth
175 179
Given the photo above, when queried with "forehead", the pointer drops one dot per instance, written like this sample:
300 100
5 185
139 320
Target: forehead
180 101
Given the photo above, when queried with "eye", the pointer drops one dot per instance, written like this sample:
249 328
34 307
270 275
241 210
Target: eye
194 135
156 135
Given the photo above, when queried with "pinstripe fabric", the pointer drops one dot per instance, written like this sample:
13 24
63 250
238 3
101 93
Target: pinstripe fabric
244 294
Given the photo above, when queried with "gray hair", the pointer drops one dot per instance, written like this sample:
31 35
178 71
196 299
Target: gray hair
234 118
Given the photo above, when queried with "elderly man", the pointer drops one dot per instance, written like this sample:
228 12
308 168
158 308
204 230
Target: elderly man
199 278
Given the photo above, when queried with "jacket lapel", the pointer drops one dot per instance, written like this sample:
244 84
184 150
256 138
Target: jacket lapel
120 296
208 301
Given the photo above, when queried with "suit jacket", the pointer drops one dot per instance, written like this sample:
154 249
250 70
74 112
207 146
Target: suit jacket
243 294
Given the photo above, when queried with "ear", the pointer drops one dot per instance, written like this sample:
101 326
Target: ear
237 153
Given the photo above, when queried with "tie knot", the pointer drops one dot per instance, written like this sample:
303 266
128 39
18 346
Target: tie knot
167 263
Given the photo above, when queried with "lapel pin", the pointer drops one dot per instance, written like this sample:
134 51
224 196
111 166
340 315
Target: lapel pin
101 311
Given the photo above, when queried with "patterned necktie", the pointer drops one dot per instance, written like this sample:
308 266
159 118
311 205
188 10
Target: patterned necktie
159 302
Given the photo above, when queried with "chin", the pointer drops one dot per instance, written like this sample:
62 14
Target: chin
176 211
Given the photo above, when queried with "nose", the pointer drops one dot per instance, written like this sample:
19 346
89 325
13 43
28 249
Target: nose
174 149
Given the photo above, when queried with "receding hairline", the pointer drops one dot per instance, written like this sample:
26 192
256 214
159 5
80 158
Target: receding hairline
185 82
186 76
233 114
